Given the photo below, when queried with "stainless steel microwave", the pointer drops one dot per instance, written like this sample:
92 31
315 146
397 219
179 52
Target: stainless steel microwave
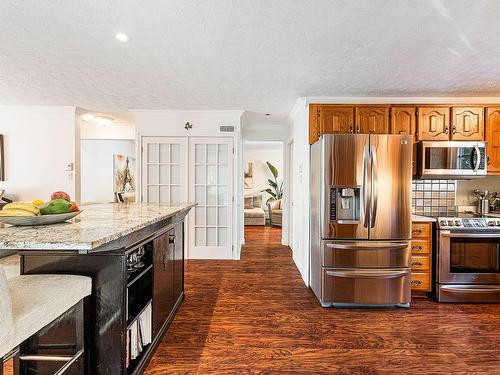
451 160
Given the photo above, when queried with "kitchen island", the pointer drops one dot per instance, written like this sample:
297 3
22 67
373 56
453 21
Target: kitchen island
134 254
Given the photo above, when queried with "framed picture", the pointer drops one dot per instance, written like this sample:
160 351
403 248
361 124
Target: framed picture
2 161
124 178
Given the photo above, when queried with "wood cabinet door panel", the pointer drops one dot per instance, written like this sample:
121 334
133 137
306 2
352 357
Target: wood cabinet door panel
433 123
314 131
163 271
493 139
467 124
404 121
373 120
336 119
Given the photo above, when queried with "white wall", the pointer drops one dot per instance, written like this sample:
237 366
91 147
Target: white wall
258 153
39 144
97 167
170 123
464 196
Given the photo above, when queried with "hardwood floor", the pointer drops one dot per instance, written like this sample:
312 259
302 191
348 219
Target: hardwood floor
256 316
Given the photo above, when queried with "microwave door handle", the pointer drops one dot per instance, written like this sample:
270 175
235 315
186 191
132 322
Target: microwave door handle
366 197
374 183
477 152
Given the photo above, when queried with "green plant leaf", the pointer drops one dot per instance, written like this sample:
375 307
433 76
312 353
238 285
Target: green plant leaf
273 169
273 184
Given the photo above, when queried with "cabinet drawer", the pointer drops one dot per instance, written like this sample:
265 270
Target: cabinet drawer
421 230
421 246
420 263
420 281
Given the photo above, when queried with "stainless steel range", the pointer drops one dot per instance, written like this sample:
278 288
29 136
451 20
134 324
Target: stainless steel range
468 259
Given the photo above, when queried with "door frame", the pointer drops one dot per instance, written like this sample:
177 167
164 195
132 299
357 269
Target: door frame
287 237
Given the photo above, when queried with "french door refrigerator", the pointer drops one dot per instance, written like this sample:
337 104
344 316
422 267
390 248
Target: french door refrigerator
361 219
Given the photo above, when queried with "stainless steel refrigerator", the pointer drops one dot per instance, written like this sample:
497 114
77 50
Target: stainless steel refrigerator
361 219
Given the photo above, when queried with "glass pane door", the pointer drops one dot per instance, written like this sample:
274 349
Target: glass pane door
164 170
211 172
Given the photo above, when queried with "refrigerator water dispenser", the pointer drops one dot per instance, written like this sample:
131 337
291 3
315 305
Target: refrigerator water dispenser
345 204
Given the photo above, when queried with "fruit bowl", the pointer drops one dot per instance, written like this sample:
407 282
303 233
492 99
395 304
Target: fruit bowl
38 220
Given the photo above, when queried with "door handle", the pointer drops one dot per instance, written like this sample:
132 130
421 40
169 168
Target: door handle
465 290
366 196
357 128
374 202
453 129
171 239
368 245
477 152
446 130
369 274
417 264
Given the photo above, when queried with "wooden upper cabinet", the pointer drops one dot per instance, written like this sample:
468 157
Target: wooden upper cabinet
334 119
467 124
372 120
433 123
493 139
314 132
404 121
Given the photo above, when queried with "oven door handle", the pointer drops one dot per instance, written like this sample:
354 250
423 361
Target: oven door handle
474 290
477 152
471 235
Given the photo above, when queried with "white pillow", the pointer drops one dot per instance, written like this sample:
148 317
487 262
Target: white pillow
6 323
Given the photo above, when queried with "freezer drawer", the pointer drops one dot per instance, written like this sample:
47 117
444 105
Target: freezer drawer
366 286
369 254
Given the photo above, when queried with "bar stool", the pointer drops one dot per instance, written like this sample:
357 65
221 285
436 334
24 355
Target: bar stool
36 311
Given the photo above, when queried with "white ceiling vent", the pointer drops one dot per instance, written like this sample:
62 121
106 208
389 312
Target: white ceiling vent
227 129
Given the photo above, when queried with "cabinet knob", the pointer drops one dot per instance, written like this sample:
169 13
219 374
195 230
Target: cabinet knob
417 231
417 247
171 239
416 264
416 282
446 130
357 128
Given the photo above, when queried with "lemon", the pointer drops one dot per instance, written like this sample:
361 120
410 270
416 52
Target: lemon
37 202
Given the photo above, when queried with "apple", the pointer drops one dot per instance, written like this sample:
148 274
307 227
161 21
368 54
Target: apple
74 207
60 195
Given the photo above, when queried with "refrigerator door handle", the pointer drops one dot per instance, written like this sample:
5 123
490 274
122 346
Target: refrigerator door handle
366 192
370 274
367 245
374 182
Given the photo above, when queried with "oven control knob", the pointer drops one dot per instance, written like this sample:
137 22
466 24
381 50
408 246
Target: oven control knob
491 223
457 223
442 223
450 223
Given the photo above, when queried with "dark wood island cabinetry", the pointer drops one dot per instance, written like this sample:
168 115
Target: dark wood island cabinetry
122 294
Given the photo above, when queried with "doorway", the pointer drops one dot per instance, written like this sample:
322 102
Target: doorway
263 187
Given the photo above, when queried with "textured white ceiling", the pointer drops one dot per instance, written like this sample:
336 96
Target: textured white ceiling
257 55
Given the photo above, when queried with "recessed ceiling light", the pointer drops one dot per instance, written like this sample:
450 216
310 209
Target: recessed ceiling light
268 114
121 37
88 117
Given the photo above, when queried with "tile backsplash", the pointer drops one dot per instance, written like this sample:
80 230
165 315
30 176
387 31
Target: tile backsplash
433 196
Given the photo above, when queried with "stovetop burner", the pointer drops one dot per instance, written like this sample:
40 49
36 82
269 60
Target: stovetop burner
468 220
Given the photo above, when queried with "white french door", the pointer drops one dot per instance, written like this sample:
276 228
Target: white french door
211 187
194 169
164 170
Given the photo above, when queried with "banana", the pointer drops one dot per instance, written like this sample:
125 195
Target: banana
22 206
16 212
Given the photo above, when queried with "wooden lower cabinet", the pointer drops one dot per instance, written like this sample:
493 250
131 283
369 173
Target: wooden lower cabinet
421 256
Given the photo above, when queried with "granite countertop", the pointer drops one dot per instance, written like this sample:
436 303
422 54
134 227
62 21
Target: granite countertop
97 225
422 219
